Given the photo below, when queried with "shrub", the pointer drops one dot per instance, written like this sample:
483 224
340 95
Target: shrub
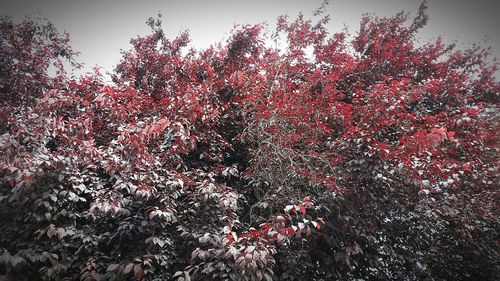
374 159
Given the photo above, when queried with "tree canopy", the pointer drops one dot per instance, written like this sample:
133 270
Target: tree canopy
373 158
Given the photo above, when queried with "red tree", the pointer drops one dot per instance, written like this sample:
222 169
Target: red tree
245 162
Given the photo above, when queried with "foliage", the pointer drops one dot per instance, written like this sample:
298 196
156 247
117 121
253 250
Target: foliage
373 158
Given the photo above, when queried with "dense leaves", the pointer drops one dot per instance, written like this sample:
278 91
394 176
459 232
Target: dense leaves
336 157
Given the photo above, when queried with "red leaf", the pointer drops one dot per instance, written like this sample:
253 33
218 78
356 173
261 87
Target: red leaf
138 273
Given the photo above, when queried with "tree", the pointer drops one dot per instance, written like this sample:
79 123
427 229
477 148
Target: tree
27 52
374 159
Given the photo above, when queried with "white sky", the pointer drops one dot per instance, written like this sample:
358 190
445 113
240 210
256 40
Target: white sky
100 28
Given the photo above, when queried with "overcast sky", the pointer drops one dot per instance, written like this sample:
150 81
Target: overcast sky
100 28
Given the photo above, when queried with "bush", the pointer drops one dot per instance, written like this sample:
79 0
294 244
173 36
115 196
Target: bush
372 159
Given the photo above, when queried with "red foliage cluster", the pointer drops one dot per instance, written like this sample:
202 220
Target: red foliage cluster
246 162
